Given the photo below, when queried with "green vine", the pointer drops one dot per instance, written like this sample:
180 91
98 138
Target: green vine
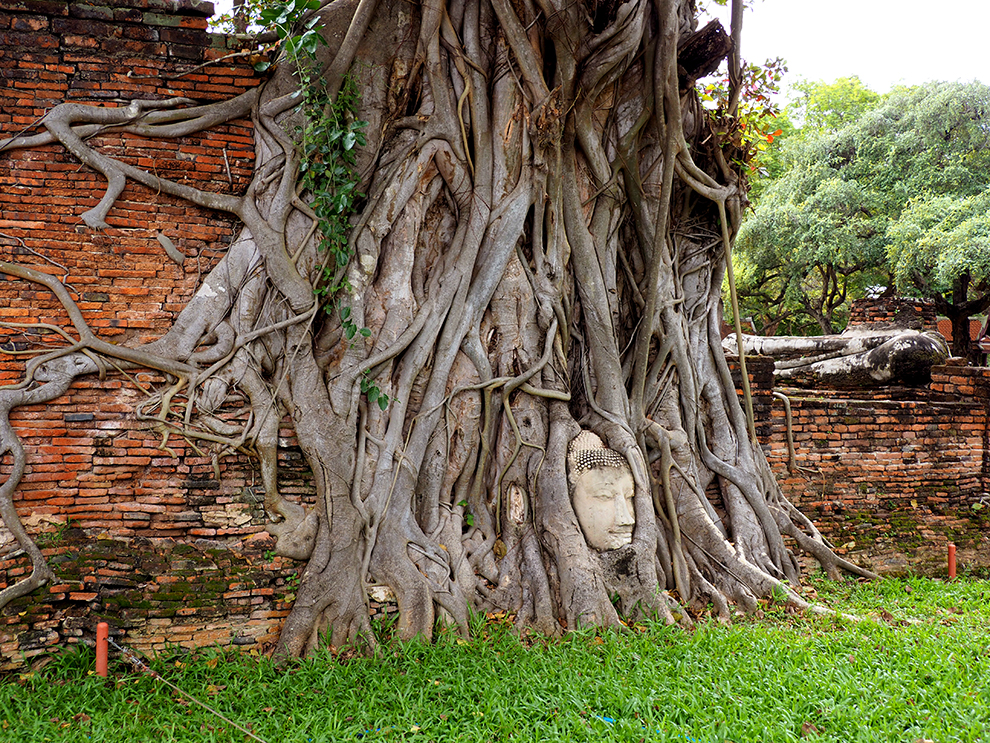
328 143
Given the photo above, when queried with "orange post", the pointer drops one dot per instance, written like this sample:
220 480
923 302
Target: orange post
102 633
952 561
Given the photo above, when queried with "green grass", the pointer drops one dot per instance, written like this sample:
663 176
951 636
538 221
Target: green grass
917 669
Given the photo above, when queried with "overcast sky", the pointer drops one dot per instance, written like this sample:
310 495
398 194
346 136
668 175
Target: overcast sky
884 42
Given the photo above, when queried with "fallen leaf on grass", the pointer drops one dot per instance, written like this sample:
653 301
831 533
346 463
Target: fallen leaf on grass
891 619
808 728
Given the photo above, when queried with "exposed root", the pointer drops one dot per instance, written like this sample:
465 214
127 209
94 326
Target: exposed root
548 222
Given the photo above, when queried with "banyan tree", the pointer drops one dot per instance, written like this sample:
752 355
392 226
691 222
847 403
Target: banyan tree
526 240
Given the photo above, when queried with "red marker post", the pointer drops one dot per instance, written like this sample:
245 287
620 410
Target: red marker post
102 633
952 561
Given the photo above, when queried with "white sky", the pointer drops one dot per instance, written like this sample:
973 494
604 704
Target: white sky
884 42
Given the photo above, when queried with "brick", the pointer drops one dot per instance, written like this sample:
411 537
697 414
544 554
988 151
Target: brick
78 417
67 26
29 23
189 36
92 12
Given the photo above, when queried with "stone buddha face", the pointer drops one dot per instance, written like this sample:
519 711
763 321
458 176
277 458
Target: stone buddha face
602 492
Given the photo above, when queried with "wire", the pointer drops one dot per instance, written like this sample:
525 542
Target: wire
135 660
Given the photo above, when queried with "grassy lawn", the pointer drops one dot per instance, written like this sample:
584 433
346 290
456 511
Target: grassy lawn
917 669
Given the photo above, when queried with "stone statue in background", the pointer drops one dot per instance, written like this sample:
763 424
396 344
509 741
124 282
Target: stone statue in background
863 356
602 492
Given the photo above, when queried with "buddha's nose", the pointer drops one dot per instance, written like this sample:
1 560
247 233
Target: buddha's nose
623 512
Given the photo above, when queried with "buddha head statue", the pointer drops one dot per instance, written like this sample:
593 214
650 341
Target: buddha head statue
602 492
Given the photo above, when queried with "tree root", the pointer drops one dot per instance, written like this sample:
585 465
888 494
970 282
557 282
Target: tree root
550 218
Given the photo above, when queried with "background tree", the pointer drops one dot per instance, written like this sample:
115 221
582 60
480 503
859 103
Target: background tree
540 249
941 245
809 240
827 228
827 107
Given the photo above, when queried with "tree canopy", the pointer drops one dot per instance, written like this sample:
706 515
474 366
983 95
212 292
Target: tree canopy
885 191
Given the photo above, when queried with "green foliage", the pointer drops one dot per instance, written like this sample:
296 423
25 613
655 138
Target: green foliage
940 237
769 163
871 190
287 17
328 142
746 136
830 106
811 239
371 389
917 668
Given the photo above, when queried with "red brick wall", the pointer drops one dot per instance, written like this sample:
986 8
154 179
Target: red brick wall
892 476
915 313
145 537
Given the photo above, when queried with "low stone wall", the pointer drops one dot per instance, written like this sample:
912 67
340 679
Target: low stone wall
892 476
156 593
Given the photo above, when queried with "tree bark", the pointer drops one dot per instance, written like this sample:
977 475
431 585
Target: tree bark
541 250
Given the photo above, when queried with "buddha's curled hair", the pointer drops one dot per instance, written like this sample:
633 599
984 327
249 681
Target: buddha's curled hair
587 452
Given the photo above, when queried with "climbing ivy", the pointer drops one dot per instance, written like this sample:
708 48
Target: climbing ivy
328 141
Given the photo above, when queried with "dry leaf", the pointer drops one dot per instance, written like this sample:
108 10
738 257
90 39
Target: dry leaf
808 728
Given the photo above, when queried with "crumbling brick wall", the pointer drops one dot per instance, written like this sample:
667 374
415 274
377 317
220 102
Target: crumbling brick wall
161 541
905 312
892 476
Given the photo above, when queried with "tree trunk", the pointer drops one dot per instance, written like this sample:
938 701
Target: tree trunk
962 345
541 251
